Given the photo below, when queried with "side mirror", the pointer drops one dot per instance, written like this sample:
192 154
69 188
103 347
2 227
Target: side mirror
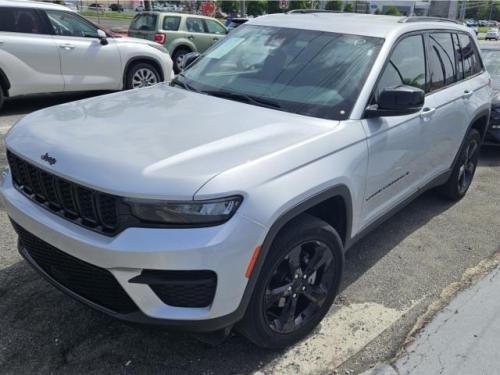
101 35
397 101
188 59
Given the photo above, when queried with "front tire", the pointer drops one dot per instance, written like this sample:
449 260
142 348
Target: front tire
297 285
463 172
178 57
141 75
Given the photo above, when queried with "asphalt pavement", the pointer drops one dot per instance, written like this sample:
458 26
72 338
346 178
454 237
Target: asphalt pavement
391 278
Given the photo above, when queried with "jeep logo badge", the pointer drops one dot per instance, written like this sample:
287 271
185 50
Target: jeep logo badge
49 159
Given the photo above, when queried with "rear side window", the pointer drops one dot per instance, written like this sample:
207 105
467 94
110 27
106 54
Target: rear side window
144 22
20 20
442 60
195 25
470 56
214 27
406 65
171 23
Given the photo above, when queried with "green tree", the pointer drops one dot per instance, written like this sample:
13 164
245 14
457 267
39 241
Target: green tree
256 8
348 8
334 5
273 6
392 11
377 11
229 7
299 5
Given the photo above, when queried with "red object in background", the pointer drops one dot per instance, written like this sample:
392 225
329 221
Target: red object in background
160 38
208 8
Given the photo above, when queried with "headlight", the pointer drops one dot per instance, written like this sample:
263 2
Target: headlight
209 212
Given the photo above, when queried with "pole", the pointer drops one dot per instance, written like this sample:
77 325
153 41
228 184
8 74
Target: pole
462 10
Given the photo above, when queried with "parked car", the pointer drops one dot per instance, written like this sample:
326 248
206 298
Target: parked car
139 8
116 7
491 58
151 206
60 41
483 23
178 33
492 34
235 22
97 7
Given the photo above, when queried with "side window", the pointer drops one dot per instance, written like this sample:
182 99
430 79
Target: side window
171 23
470 56
69 24
195 25
144 22
442 60
406 65
20 20
458 57
214 27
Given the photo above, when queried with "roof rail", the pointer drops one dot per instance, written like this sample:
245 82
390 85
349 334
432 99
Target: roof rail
307 11
426 19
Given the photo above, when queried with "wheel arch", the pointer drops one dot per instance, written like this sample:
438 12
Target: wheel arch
142 59
184 45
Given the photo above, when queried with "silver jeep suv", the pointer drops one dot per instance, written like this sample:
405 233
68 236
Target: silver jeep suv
230 197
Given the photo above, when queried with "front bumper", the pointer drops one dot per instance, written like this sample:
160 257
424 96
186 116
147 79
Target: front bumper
225 250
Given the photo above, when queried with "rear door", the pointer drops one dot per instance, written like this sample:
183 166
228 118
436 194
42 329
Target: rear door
215 29
196 33
144 26
28 54
447 99
86 64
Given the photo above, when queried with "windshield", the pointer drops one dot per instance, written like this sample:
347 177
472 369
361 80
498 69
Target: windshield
491 59
312 73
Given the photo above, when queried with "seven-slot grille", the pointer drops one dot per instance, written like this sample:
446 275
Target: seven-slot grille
83 206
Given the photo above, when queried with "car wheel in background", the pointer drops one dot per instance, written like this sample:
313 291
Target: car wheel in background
465 167
142 75
178 57
297 285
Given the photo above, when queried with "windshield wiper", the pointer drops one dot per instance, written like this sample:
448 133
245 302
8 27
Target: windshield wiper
250 99
183 83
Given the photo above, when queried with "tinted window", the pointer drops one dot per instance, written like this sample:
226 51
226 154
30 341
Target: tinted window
214 27
20 21
442 60
195 25
470 56
314 73
69 24
406 65
460 65
144 22
171 23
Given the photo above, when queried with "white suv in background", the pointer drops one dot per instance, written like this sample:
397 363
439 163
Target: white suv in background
231 195
47 48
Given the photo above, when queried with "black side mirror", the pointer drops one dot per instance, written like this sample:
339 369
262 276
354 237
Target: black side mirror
397 101
101 35
188 59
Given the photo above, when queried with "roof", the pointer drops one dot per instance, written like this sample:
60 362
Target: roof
31 4
353 23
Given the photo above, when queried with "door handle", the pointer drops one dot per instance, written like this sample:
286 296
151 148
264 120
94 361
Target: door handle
427 113
190 37
1 43
67 47
467 94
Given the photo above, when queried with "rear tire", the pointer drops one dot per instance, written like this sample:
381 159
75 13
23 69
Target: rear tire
297 285
141 75
463 172
177 58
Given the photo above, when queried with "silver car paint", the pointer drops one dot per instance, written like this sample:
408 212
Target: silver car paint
198 147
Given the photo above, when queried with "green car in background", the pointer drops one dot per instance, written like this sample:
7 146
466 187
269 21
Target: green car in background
179 33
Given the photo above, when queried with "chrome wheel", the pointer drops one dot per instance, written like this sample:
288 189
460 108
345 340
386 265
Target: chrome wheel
299 286
144 77
468 166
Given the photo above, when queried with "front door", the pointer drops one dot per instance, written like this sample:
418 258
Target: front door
196 33
396 144
86 64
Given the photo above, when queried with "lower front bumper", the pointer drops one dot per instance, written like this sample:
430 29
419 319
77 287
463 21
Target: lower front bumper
225 250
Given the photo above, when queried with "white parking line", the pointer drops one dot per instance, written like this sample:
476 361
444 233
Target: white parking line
343 333
4 129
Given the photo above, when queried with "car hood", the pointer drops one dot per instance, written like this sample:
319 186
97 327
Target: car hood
156 142
129 40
